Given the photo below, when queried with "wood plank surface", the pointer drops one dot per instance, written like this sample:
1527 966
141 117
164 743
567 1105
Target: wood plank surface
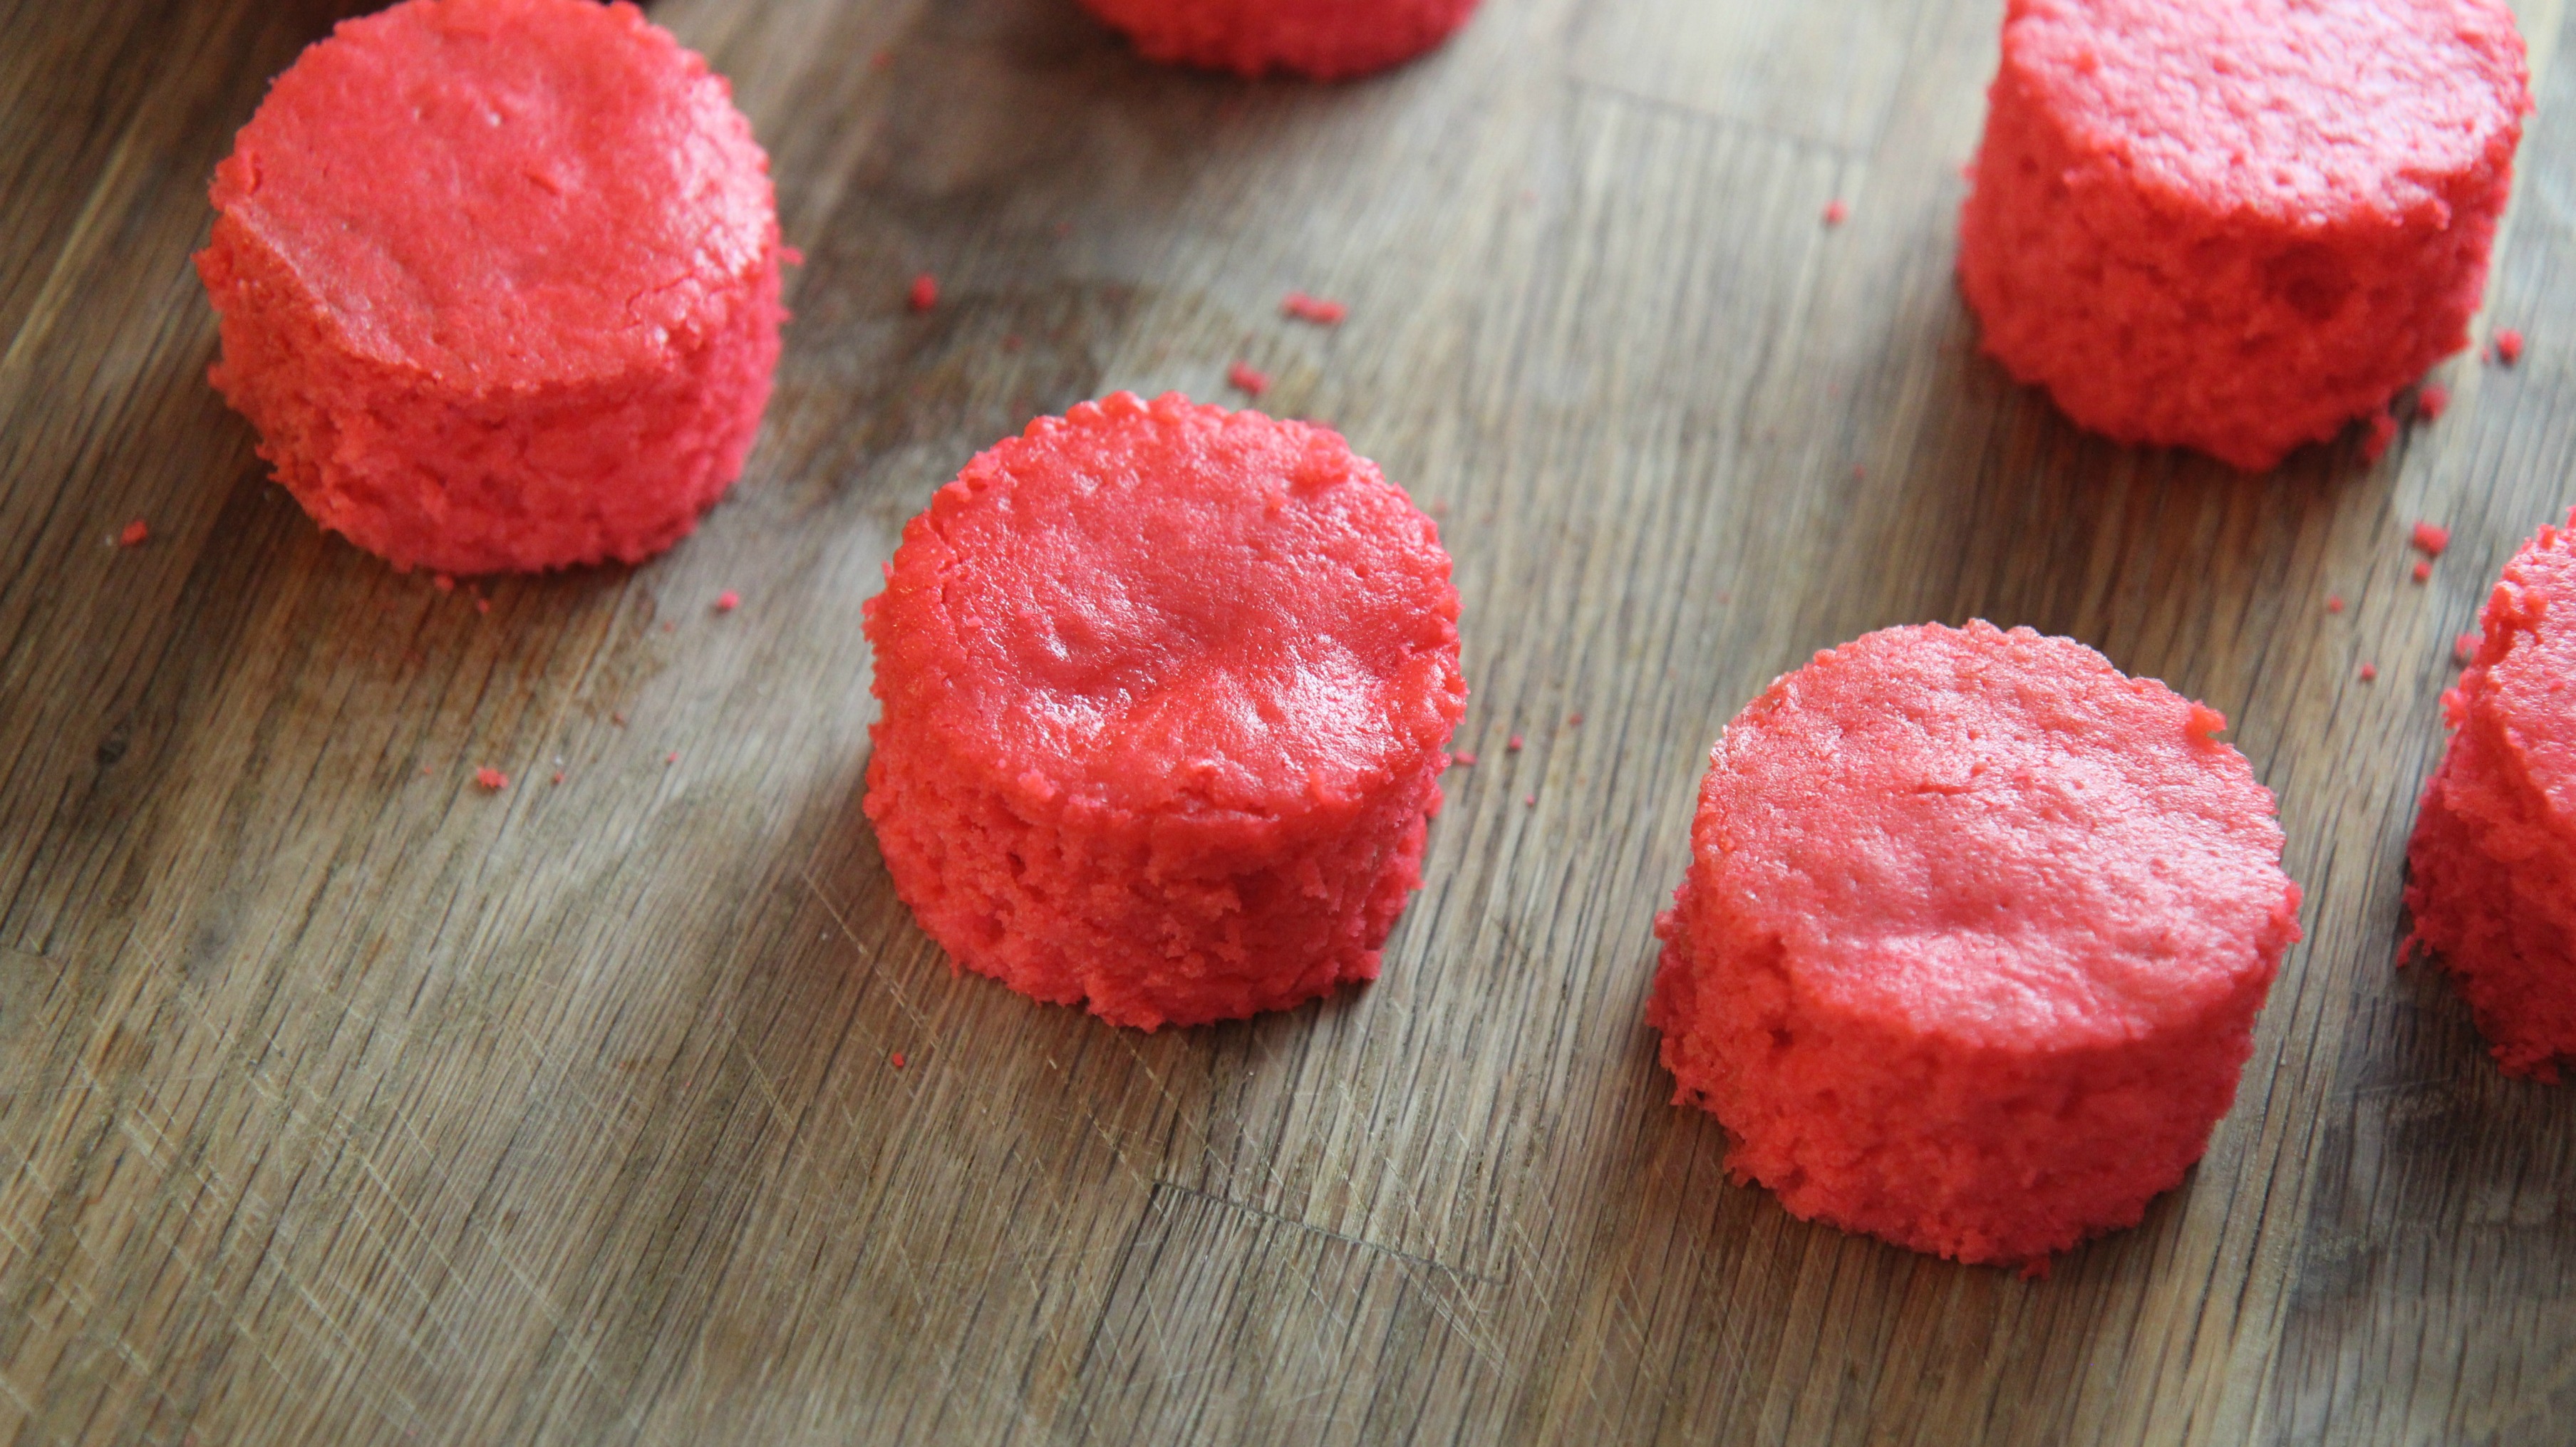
341 1101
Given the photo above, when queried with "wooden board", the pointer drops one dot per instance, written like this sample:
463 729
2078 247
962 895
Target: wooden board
341 1101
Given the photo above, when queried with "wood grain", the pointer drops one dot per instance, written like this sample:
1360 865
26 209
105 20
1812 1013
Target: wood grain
341 1101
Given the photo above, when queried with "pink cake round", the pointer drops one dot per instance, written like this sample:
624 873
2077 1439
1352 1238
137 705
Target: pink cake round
1972 940
2236 225
499 282
1164 692
2492 867
1324 39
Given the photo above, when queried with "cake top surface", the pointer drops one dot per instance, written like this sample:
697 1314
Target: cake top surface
2526 664
1996 837
2306 111
1170 607
505 192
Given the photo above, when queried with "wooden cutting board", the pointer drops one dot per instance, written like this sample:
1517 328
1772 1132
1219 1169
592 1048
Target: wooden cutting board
341 1101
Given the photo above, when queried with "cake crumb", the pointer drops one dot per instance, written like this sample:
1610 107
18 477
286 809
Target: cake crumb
2334 602
482 605
1836 213
2432 402
1530 800
673 758
2508 346
1575 722
2431 539
2383 431
924 294
2370 673
558 776
1301 307
618 719
444 583
134 534
1245 378
2466 646
2423 572
1463 760
492 780
2206 723
1513 745
728 600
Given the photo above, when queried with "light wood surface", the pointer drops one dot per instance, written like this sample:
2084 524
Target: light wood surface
341 1101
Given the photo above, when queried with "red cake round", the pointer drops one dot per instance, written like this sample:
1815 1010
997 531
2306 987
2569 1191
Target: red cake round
1972 940
1324 39
499 284
2236 226
1164 691
2493 863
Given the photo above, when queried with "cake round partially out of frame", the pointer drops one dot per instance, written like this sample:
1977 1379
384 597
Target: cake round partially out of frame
2236 225
499 282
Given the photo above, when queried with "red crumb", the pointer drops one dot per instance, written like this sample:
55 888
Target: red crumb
618 719
2334 602
558 776
1575 722
674 757
2465 647
134 534
2423 572
2383 431
492 779
1836 213
670 627
2432 402
896 1060
1314 309
1530 799
728 600
2508 346
445 583
482 605
2204 723
881 60
1514 746
2432 538
2370 673
1244 378
1463 760
925 292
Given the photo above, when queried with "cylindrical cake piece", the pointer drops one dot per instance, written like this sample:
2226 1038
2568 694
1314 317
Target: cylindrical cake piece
1322 39
1164 695
2236 225
1972 940
499 282
2492 868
